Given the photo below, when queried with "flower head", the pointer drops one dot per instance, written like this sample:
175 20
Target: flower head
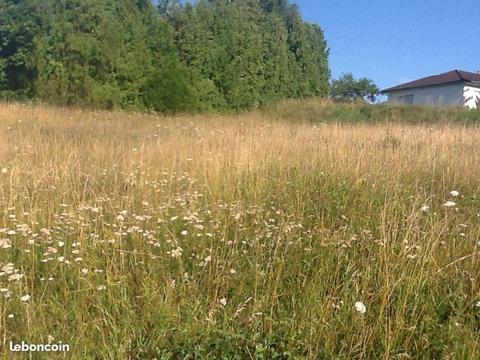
425 208
450 204
360 307
5 243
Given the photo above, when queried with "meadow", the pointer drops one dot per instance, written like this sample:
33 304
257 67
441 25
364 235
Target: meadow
249 236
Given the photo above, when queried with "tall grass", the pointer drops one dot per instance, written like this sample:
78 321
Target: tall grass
237 237
321 110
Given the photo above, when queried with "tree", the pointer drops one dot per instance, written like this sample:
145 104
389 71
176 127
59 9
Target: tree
245 53
347 88
168 89
19 22
211 55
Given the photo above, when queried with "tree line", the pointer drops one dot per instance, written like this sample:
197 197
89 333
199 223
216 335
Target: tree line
209 55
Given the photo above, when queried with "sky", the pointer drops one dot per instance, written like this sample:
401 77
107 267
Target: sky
396 41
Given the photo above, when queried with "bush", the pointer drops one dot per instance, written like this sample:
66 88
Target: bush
168 89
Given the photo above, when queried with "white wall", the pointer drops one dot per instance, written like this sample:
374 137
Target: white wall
472 96
443 95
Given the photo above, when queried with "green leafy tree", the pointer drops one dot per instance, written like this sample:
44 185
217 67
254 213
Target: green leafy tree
347 88
244 53
20 21
212 55
168 89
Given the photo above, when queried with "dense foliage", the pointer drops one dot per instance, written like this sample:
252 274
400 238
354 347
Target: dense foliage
347 88
207 55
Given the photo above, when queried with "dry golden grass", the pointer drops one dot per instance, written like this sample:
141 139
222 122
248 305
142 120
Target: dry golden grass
140 236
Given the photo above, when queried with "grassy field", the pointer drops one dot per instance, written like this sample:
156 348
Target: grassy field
132 236
317 111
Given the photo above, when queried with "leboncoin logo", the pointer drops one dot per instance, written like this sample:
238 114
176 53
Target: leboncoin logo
26 347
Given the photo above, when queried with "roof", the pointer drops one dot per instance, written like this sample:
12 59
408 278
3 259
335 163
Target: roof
441 79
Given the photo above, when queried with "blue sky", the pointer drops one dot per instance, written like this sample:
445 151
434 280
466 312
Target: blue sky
395 41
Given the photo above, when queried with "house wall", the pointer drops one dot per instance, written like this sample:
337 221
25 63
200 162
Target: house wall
472 96
442 95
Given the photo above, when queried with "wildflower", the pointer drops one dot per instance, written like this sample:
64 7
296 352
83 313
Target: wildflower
10 316
176 252
5 243
101 287
84 271
15 277
184 232
450 204
51 250
25 298
454 193
360 307
8 269
4 170
425 208
223 301
232 271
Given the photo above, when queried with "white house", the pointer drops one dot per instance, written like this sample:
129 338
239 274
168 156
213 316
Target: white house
454 88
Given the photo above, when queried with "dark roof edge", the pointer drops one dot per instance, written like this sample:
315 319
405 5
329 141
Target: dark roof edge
451 77
399 88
